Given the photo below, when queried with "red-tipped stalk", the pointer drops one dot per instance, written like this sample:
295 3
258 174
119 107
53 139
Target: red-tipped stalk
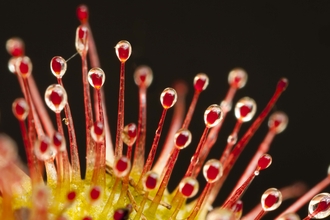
123 51
271 199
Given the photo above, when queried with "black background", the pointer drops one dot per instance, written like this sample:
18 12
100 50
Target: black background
270 39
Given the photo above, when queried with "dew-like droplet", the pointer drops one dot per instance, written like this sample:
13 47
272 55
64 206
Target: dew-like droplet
278 121
245 109
212 115
271 199
96 77
232 139
237 209
201 81
121 214
320 204
289 216
123 50
226 106
264 162
220 214
129 134
97 131
23 66
20 109
182 138
212 170
150 180
58 66
82 13
95 193
56 97
143 76
237 78
12 64
58 141
44 149
168 98
15 47
122 166
82 40
189 187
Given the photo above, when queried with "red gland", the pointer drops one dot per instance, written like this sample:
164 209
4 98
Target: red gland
201 81
56 65
264 162
212 115
57 139
98 128
71 196
270 200
188 187
151 180
182 138
123 50
245 110
56 97
44 144
121 214
95 193
24 66
87 218
82 13
122 167
168 98
15 47
20 109
283 83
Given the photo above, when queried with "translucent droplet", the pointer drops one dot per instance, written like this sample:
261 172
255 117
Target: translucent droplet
220 214
245 109
82 13
12 64
212 115
96 77
182 138
150 180
122 167
232 139
237 209
82 40
264 162
168 98
56 97
123 50
278 121
201 81
20 109
58 66
320 204
97 131
289 216
237 78
23 66
189 187
44 149
15 47
129 134
271 199
225 106
58 141
212 170
143 76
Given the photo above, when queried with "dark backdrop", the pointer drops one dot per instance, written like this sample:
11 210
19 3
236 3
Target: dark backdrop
270 39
